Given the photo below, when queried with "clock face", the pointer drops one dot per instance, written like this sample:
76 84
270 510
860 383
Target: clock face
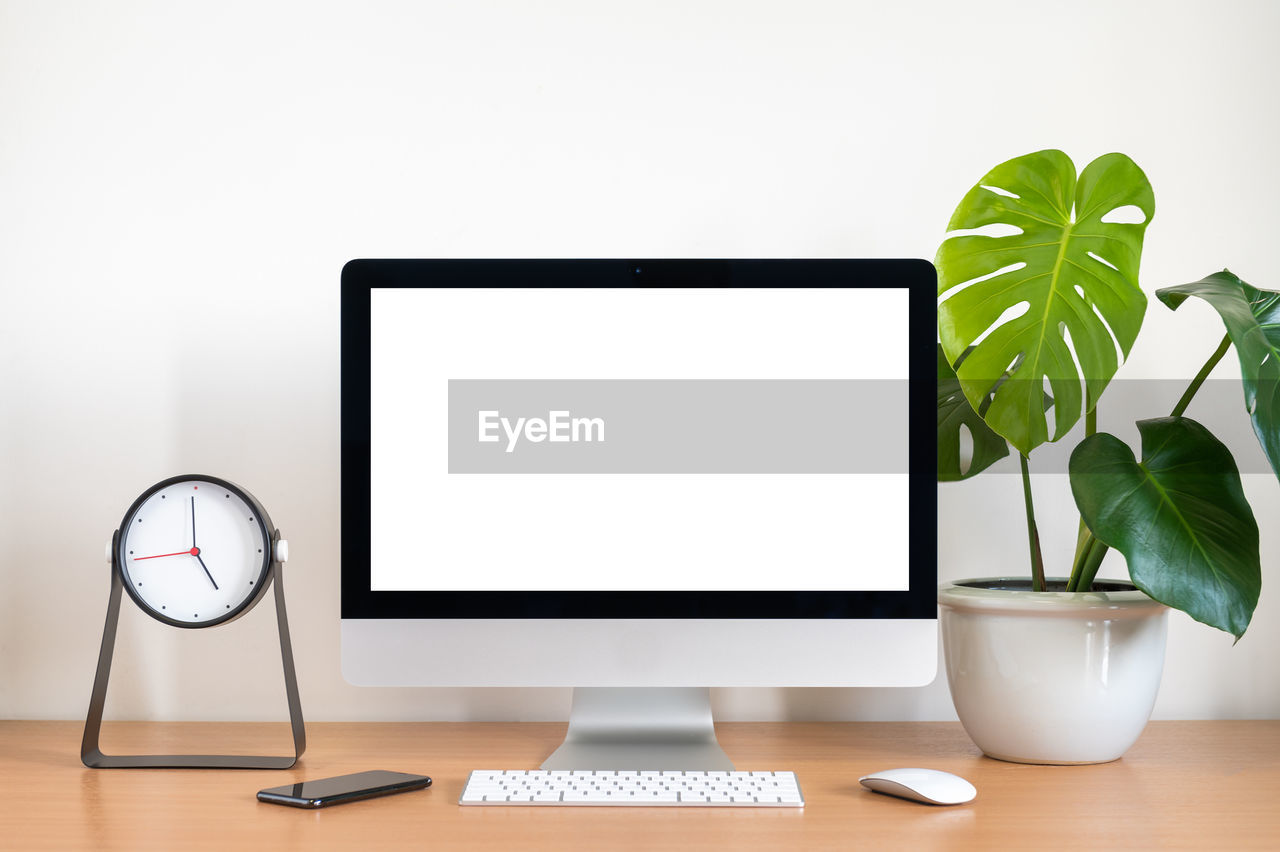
194 552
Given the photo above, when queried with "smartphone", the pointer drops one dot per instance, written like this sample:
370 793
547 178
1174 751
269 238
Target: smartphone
343 788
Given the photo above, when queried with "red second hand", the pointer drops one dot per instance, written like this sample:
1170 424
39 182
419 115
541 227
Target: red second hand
195 551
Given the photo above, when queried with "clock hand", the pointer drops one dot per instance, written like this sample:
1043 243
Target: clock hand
196 552
192 552
193 524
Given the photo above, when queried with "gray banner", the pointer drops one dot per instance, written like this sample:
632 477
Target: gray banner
1218 406
677 426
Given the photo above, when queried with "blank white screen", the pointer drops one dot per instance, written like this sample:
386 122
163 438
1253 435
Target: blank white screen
432 530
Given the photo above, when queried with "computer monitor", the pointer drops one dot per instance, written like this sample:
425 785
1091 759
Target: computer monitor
641 479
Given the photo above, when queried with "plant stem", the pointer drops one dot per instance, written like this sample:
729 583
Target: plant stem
1083 546
1082 533
1201 376
1033 535
1082 576
1084 541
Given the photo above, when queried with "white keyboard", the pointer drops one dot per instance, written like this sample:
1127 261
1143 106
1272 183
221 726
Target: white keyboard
648 788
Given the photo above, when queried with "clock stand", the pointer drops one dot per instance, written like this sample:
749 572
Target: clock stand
90 752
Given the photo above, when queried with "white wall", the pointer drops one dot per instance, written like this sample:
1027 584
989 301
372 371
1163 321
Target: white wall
180 185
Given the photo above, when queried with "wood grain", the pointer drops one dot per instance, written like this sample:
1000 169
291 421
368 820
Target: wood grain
1192 785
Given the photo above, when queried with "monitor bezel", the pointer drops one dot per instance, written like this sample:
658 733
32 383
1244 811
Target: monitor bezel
360 601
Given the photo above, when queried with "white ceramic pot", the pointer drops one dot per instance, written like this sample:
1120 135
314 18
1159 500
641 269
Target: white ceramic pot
1052 677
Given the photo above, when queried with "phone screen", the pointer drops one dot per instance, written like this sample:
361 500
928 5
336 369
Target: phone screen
343 788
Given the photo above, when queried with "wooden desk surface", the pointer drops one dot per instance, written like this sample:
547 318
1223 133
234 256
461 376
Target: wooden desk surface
1202 785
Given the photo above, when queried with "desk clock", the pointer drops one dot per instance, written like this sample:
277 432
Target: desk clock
193 552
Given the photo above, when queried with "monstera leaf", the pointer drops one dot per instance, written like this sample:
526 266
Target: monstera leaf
1065 266
1252 318
1179 517
955 412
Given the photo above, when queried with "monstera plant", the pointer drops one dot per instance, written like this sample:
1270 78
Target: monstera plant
1038 305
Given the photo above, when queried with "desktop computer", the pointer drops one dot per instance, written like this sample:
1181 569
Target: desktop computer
641 479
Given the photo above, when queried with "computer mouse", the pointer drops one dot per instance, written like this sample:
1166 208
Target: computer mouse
931 786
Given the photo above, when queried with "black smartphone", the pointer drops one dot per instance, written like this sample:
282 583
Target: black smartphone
343 788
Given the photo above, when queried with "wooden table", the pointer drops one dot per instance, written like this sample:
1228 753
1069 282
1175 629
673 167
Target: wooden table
1199 785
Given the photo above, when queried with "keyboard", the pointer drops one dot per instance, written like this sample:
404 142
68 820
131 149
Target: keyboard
645 788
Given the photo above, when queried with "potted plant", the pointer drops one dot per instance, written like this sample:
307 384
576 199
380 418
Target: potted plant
1038 289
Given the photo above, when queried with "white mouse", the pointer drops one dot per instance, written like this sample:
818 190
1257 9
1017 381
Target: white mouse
931 786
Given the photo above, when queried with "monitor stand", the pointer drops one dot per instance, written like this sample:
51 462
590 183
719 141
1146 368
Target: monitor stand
640 728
